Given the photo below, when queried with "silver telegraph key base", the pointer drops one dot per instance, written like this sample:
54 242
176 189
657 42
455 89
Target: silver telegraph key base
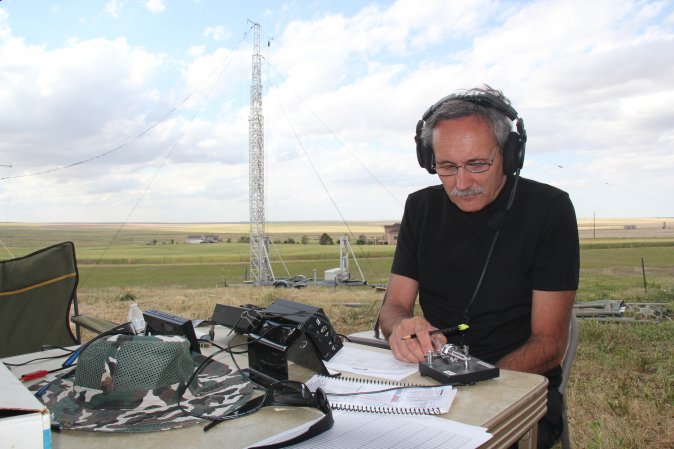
453 365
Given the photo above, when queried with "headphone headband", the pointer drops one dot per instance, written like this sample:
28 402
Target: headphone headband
513 150
481 98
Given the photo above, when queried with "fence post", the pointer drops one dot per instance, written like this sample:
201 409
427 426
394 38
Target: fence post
643 271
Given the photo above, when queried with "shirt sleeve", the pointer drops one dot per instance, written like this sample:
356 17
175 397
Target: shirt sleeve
405 257
558 254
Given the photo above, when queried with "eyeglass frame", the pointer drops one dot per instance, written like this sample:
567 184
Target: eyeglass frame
466 166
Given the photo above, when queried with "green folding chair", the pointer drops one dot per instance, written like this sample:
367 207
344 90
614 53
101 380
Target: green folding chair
37 294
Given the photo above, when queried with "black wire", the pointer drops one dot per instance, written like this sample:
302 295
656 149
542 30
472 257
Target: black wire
48 347
252 340
145 131
70 351
511 198
400 387
208 359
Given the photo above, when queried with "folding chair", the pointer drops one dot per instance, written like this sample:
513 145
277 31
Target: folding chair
371 337
37 293
566 371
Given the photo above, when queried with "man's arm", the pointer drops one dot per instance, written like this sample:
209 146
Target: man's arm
545 348
397 320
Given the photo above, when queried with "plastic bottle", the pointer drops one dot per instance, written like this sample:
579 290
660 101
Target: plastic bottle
136 319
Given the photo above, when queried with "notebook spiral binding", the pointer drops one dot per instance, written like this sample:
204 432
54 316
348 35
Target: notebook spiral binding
388 410
381 386
382 382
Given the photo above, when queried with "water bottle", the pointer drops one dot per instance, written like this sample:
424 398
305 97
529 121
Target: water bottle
136 319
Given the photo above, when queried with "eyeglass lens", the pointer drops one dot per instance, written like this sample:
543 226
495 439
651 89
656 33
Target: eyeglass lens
290 393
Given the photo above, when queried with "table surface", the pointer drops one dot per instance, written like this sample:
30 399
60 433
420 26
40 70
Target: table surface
509 406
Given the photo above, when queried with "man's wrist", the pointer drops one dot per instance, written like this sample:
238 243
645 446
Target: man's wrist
390 325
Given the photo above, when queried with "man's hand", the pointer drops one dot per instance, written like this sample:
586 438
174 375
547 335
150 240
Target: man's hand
414 349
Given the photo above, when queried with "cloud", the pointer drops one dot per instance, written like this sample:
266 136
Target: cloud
114 7
76 101
343 90
217 33
155 6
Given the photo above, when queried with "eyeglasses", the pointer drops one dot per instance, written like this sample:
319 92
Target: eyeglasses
288 393
473 166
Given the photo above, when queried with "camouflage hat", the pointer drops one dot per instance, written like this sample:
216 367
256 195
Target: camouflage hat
131 383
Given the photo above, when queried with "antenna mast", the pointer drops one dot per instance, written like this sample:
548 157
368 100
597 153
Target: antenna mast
260 266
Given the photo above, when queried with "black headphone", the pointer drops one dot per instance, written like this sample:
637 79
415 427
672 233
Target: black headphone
513 151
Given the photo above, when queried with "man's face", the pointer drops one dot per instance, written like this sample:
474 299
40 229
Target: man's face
468 140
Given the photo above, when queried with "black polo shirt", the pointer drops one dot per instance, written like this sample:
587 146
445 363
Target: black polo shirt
445 249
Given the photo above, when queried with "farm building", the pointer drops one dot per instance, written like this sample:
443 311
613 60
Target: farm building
391 233
208 238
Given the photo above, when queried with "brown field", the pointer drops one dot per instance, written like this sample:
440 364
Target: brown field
294 227
588 228
636 228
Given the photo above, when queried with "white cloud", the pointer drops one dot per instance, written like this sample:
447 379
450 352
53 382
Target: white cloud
155 6
342 92
218 33
114 7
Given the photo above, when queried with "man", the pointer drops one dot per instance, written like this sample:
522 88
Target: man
485 248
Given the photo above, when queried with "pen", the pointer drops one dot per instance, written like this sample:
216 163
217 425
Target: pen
447 330
34 375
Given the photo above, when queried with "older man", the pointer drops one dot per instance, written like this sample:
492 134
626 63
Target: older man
486 248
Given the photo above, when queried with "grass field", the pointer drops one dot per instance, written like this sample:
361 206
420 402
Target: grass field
621 392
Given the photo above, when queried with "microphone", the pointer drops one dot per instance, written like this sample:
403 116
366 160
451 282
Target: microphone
497 220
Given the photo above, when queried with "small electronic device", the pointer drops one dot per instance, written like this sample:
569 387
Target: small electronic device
163 323
290 332
241 319
453 365
309 319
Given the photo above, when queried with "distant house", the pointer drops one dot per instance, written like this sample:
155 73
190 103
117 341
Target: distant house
391 233
207 238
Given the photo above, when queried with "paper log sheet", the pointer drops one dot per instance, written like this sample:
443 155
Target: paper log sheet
416 400
382 365
372 430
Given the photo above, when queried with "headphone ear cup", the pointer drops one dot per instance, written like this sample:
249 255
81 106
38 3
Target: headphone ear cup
513 151
510 154
424 153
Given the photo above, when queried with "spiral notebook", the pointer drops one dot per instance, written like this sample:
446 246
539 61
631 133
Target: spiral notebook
384 396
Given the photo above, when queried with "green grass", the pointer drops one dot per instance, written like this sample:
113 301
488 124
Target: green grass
621 391
157 256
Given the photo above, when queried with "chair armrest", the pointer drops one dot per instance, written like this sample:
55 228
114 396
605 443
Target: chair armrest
93 324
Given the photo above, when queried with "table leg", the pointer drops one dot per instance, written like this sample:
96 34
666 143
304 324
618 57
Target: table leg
529 439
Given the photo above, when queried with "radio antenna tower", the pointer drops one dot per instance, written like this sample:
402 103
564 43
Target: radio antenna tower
260 266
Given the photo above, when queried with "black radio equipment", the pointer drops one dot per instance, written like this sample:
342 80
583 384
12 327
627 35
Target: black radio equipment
308 319
287 332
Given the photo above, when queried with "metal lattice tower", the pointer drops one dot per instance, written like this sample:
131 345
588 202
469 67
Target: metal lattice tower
260 266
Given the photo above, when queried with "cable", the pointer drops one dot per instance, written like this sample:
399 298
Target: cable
384 390
41 358
143 132
320 179
209 359
500 221
161 166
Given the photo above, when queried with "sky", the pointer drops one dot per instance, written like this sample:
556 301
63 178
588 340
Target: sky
137 110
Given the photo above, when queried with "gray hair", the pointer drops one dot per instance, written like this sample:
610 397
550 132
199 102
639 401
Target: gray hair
456 108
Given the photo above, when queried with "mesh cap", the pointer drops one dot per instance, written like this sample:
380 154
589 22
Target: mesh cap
132 383
134 363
